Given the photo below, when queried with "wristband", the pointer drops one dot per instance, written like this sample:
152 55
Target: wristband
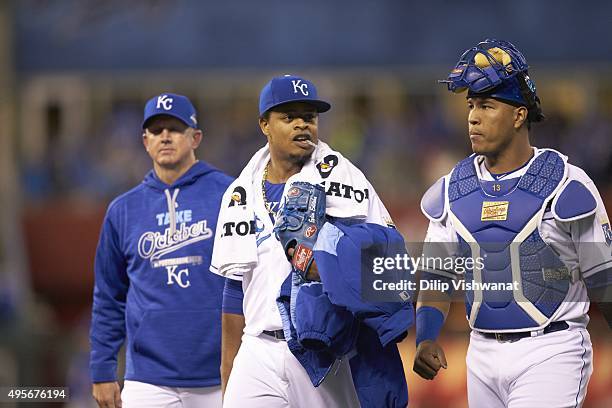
233 297
429 321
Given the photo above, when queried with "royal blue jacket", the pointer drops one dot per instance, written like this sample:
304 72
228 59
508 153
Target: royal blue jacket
153 289
331 321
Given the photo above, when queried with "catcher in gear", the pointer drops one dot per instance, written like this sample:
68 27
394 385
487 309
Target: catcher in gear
534 225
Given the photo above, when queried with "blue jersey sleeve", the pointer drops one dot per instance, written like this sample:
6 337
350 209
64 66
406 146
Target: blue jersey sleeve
107 331
232 297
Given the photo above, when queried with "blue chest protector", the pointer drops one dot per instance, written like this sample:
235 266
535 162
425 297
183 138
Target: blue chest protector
497 221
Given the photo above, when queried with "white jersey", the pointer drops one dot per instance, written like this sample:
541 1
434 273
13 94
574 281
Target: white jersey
583 258
261 285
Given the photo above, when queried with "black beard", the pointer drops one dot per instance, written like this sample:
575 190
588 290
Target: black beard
300 160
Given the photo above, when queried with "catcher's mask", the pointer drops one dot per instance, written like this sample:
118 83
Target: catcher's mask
496 69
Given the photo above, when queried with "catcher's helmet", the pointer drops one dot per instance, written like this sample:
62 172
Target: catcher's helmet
496 69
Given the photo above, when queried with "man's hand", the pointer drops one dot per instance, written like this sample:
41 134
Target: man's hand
107 394
312 274
428 359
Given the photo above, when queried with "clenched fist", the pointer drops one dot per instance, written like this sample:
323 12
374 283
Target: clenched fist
428 359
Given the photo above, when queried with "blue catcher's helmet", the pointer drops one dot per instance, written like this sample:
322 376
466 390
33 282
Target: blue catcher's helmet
496 69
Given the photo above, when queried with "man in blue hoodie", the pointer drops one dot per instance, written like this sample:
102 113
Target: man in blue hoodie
152 289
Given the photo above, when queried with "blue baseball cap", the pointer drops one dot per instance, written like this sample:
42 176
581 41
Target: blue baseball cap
171 104
290 88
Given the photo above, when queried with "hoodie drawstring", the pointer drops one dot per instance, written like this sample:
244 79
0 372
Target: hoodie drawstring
172 205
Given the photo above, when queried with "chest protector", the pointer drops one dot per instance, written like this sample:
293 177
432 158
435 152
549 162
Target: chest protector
497 221
520 282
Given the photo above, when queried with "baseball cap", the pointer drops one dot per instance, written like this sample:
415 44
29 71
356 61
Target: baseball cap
171 104
290 88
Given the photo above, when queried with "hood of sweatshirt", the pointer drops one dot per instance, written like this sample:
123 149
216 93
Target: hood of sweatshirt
196 171
171 191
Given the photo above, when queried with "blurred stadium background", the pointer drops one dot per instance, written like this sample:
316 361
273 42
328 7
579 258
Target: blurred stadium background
74 75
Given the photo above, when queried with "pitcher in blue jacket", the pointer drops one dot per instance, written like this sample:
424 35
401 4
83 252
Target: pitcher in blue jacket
152 289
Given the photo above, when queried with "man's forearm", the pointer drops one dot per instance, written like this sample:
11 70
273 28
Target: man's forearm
232 326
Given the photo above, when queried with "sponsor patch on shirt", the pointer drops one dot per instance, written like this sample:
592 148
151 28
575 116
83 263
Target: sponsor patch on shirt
494 211
238 197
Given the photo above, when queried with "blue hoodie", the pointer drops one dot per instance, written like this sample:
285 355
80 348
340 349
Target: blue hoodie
152 284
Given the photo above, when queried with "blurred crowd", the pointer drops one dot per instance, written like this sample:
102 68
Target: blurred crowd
403 141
